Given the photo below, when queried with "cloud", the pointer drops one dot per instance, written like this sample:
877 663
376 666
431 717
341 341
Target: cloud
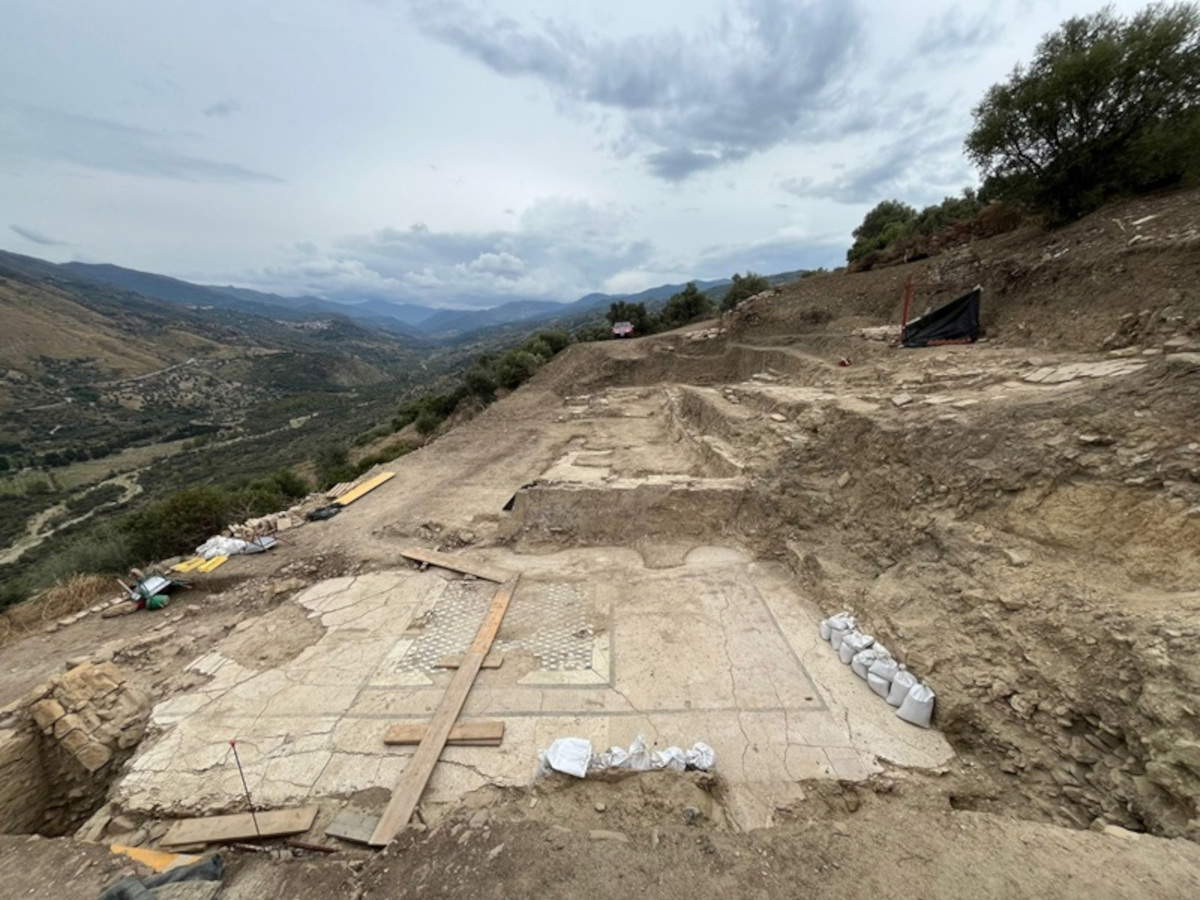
916 168
37 237
560 249
503 264
676 165
222 108
767 72
39 135
954 33
783 253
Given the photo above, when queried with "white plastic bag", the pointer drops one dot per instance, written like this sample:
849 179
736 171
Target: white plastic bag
852 643
902 683
862 661
880 675
824 630
569 755
917 707
672 758
701 756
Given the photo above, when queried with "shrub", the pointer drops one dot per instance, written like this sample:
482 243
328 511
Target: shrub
428 421
685 306
175 525
557 339
538 348
743 286
482 383
516 367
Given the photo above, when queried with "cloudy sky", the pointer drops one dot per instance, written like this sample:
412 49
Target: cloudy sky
458 153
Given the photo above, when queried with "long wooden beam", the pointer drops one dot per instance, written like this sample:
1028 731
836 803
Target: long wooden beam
456 563
420 765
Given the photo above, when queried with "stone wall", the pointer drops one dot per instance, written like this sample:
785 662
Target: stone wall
23 795
62 745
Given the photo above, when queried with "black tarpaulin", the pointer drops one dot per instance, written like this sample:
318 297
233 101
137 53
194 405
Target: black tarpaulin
955 323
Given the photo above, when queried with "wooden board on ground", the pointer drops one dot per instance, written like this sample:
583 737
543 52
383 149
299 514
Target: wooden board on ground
188 564
456 563
479 733
454 660
365 488
215 563
353 825
407 793
240 826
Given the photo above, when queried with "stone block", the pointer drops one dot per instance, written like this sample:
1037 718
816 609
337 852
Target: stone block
93 756
47 712
75 741
68 723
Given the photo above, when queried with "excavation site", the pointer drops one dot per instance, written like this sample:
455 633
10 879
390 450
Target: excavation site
767 605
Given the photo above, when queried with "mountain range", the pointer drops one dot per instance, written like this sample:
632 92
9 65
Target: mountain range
414 322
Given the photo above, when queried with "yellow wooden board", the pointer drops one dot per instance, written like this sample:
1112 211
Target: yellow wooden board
188 564
365 488
214 563
158 860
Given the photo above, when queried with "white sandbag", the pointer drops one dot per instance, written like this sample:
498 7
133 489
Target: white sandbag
701 756
917 707
637 758
672 759
862 661
852 643
878 684
224 546
839 626
902 683
824 630
880 675
569 755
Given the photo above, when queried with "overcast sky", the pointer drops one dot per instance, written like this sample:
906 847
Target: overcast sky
459 153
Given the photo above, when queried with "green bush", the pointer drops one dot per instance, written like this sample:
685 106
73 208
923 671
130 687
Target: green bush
482 383
427 422
516 367
538 348
1107 106
743 286
687 305
557 339
176 525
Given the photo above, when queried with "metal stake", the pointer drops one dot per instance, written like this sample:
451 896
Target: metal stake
246 788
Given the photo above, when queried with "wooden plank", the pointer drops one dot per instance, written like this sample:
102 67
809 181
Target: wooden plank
215 563
188 564
240 826
407 793
365 488
456 563
353 825
480 733
454 660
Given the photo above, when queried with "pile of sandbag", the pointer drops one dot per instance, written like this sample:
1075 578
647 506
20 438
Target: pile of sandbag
575 756
873 662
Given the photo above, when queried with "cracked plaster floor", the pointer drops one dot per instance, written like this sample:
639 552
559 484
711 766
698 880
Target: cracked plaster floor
719 649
